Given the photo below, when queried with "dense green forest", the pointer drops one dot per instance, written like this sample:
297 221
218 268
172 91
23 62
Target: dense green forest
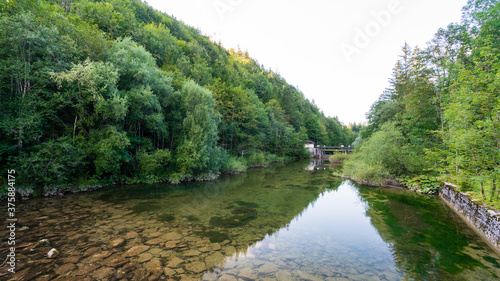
96 92
440 119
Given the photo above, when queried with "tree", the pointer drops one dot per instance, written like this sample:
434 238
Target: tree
198 151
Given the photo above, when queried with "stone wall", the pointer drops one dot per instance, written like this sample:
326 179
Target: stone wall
485 220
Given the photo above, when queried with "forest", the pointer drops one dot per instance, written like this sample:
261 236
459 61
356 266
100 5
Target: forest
440 118
99 92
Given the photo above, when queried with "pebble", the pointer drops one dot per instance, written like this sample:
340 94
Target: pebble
171 236
154 266
227 277
191 253
196 267
117 242
131 235
104 273
144 257
136 250
174 262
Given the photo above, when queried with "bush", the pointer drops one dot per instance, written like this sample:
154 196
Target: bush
370 174
338 158
259 158
51 163
383 156
423 184
234 164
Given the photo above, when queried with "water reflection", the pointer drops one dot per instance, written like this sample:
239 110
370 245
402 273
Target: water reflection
278 223
331 239
317 164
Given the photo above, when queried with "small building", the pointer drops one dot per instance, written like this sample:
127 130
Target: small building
309 146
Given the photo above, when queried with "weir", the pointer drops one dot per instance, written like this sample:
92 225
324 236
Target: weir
319 151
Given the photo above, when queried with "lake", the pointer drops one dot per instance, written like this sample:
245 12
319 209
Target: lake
283 222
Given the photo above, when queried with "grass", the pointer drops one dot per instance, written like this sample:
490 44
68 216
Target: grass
474 189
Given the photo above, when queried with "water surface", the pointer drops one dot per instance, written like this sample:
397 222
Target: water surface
293 222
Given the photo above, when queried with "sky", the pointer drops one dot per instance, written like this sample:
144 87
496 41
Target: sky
339 53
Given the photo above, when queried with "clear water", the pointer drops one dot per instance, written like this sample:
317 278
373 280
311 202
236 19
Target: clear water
294 222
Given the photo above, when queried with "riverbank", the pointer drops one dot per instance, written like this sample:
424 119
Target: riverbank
88 185
483 219
389 184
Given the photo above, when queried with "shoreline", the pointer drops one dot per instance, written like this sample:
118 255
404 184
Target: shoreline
483 219
60 191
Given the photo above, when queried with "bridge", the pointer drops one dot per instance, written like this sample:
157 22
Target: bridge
319 151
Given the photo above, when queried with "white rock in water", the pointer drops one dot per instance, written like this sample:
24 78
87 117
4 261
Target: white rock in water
52 253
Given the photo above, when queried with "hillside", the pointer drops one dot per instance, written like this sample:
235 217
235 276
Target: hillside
115 91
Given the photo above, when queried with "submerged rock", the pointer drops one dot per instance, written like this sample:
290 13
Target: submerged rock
268 268
117 242
248 274
154 266
155 241
227 277
104 273
174 262
191 253
171 244
131 235
171 236
169 272
144 257
91 251
196 267
64 269
136 250
214 259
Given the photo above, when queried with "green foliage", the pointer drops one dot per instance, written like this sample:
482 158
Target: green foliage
234 164
198 151
149 163
423 184
444 102
338 158
386 152
366 173
140 96
50 164
108 146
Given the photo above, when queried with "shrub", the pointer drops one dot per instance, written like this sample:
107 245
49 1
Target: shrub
423 184
338 158
51 163
234 164
256 158
383 156
370 174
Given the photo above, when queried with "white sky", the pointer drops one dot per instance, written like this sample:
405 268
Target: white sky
308 42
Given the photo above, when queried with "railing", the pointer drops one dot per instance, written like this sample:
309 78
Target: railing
319 150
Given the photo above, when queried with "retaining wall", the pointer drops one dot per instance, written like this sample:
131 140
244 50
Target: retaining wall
484 220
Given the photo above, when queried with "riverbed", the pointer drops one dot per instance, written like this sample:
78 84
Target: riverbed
283 222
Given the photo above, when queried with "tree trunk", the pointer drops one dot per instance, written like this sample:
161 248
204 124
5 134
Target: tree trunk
493 189
74 126
482 191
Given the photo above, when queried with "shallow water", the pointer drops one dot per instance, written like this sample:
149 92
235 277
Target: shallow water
290 222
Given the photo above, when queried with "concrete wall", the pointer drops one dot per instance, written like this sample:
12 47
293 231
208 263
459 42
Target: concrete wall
483 219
